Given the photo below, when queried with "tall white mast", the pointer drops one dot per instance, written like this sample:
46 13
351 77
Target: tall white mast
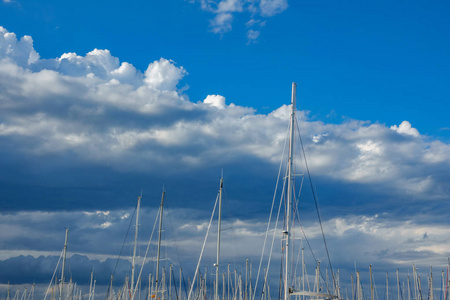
290 191
135 243
63 264
216 296
159 241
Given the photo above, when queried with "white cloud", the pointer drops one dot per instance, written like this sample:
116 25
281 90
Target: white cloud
216 101
163 75
406 128
252 35
254 22
400 237
230 6
270 8
222 23
380 240
20 51
225 11
105 225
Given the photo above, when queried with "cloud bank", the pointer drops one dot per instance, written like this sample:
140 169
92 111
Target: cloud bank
99 111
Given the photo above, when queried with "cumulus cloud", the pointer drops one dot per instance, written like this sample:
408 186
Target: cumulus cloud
163 75
215 100
20 51
405 128
225 11
108 113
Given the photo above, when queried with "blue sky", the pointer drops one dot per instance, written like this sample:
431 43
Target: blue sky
102 99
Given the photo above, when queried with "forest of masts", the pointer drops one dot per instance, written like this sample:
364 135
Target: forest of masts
237 286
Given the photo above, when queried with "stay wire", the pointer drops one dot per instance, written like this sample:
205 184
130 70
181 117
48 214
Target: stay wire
269 221
233 233
176 245
124 240
203 248
316 204
120 253
159 215
296 213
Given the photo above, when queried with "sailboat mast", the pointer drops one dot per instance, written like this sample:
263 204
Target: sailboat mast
216 296
159 240
135 243
290 191
63 264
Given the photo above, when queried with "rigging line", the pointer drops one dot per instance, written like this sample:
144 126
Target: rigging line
274 231
203 248
316 204
270 215
233 234
184 284
146 252
309 246
120 253
54 273
280 287
124 240
307 241
295 208
175 285
174 237
296 213
298 256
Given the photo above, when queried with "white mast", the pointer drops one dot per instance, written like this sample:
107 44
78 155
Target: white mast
290 192
90 285
63 264
216 296
159 241
135 243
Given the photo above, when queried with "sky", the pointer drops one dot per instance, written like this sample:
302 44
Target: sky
102 101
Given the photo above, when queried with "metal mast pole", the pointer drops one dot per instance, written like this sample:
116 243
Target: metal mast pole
431 284
290 191
159 241
135 244
90 285
371 283
181 278
63 264
387 286
216 295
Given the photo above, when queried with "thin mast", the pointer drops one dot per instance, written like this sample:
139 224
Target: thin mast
371 283
216 296
90 285
135 243
290 191
63 264
159 241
